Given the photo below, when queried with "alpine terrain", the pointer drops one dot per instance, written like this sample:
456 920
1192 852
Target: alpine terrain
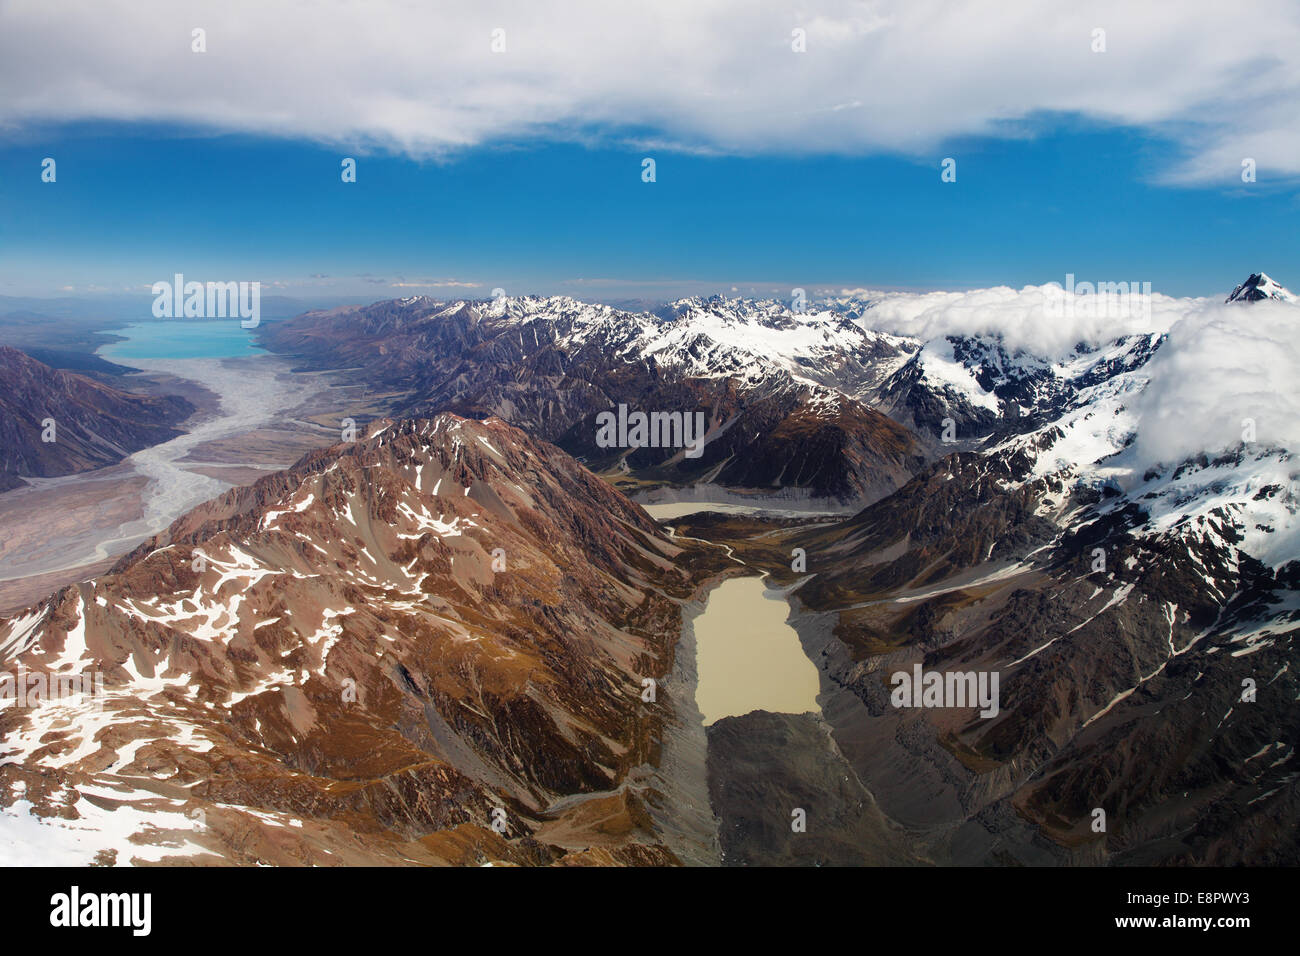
455 640
430 645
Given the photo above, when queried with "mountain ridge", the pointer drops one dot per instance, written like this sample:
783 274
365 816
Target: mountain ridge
417 645
94 424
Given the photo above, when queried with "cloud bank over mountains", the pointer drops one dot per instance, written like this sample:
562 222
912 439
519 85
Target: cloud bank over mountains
1022 317
876 77
1222 365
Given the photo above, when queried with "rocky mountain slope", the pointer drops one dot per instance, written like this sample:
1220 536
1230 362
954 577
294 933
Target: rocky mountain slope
1141 617
94 424
425 646
1144 669
989 391
777 387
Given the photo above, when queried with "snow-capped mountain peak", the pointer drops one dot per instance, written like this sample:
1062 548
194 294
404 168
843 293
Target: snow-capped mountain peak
1260 286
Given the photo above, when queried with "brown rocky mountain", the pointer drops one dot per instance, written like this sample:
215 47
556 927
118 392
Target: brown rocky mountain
425 646
94 424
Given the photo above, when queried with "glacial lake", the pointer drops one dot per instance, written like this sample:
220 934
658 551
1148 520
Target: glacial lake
181 339
748 657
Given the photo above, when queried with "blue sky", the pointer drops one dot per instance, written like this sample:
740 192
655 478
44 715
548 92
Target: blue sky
133 205
523 170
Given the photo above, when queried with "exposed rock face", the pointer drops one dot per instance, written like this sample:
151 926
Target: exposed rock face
374 656
552 365
1144 660
991 392
94 424
1141 621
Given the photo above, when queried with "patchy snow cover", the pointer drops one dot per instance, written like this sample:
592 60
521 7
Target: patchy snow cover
1199 435
21 632
941 368
140 830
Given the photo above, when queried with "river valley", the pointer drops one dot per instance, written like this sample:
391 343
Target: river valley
255 415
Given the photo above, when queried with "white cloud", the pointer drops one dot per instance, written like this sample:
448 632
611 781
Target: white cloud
1021 317
1222 364
1221 79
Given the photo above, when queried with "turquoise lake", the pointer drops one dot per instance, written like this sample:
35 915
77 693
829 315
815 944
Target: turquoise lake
181 339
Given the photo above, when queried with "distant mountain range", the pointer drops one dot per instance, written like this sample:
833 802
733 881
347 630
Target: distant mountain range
799 401
767 379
